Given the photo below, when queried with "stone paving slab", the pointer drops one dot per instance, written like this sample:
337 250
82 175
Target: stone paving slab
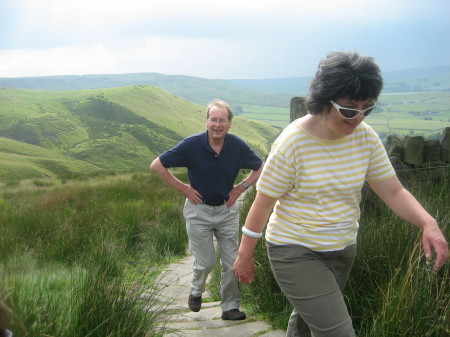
274 333
244 329
174 286
182 305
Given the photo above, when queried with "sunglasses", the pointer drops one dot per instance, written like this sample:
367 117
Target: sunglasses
349 113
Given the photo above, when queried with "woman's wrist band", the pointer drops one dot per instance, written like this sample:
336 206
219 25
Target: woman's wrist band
250 233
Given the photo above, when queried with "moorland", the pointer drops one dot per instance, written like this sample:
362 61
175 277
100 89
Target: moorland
85 227
56 126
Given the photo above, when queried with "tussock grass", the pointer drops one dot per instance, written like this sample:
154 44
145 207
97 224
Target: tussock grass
76 257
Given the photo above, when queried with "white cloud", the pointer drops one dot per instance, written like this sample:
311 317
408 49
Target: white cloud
85 14
201 57
207 38
196 57
55 61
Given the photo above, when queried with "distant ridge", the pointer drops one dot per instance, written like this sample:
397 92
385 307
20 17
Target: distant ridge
294 86
194 89
407 80
275 92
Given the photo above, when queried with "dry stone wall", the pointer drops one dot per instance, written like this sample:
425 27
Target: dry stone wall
419 158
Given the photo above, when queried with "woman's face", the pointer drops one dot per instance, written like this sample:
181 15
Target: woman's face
341 126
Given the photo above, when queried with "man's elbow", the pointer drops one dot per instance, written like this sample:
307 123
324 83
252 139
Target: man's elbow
260 168
155 164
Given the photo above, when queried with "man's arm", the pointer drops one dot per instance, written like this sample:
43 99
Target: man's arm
240 188
167 176
254 176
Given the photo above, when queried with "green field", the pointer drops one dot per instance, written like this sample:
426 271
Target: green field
424 114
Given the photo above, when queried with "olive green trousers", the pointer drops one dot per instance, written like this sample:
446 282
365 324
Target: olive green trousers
313 283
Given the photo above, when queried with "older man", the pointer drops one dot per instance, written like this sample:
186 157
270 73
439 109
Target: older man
213 159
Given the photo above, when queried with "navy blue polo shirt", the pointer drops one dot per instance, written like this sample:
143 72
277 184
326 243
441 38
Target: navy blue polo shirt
210 174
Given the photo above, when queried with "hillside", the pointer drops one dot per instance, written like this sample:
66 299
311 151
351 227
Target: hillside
433 79
193 89
275 92
107 126
53 133
20 160
266 100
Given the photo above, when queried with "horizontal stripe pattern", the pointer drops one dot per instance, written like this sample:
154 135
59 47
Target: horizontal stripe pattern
318 185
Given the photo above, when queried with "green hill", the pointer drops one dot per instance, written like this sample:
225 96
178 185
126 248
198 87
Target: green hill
275 92
53 133
194 89
21 160
266 100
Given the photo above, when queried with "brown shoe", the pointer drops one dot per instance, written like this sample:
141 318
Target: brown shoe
233 315
194 303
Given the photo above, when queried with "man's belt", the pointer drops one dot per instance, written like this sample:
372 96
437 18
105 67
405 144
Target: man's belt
213 203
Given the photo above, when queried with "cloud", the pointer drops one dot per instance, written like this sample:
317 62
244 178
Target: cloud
195 57
223 39
55 61
88 15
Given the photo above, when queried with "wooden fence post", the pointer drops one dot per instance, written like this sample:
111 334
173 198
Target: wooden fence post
298 108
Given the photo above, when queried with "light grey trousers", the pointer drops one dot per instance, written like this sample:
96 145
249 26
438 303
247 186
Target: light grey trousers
313 283
203 222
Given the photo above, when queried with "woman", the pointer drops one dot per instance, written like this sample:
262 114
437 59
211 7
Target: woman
312 180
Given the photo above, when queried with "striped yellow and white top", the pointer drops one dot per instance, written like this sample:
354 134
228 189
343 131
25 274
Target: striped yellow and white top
318 185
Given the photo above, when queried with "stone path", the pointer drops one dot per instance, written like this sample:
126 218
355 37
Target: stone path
174 285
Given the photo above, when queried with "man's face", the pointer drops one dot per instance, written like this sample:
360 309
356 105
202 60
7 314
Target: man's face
218 123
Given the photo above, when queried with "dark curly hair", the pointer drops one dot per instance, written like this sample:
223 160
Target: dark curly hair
344 75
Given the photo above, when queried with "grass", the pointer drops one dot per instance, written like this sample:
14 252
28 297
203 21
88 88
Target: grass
391 290
76 257
77 252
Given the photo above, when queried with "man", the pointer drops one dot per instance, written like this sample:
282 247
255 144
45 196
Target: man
213 159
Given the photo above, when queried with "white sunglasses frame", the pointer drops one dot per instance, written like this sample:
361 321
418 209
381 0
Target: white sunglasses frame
362 112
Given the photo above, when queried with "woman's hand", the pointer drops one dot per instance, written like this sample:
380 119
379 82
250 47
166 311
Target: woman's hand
433 240
403 203
244 269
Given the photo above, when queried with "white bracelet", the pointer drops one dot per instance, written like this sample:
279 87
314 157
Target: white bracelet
250 233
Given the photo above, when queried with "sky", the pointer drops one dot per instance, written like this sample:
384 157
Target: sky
226 39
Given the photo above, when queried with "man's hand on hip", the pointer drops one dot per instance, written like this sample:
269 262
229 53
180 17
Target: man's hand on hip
235 194
192 194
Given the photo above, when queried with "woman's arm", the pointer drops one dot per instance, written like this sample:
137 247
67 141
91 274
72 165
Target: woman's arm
260 210
403 203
